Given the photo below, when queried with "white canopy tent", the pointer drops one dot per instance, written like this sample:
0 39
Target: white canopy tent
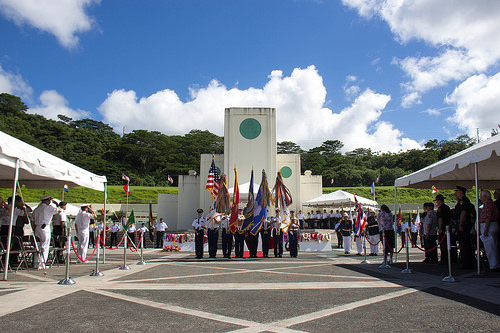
340 198
245 189
477 166
27 165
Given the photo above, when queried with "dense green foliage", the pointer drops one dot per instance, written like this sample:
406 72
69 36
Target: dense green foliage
148 157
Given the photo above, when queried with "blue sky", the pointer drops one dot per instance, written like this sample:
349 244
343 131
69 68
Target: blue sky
380 74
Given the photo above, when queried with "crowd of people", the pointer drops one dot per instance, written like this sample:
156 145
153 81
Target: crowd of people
49 220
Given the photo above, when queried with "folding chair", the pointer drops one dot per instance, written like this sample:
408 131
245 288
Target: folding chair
30 249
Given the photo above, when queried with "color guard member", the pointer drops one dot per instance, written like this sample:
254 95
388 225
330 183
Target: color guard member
198 226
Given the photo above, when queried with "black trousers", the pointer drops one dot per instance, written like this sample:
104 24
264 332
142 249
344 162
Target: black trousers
429 243
293 243
131 236
239 244
198 243
465 242
266 241
227 243
253 243
443 247
213 237
91 238
278 243
113 239
340 240
159 239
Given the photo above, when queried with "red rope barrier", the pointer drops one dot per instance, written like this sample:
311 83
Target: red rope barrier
114 248
392 250
79 258
429 250
136 248
368 240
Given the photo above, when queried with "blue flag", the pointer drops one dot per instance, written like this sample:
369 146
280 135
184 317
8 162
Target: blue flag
260 211
249 209
372 192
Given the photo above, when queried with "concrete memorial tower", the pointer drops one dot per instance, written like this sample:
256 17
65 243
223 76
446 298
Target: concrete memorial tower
250 141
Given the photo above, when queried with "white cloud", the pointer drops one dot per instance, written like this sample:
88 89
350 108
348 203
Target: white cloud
62 18
411 99
465 33
54 104
432 112
477 104
14 84
301 113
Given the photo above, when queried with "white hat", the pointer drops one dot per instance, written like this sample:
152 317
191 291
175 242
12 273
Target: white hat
47 197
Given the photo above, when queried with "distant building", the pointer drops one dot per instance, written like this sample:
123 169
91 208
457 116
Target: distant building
249 142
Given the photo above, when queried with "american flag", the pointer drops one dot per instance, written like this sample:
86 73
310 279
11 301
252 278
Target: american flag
213 180
124 177
170 180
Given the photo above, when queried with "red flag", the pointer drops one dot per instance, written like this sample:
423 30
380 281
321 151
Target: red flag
126 188
398 224
236 200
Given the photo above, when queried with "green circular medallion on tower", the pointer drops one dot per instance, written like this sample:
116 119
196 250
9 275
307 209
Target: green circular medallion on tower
286 172
250 128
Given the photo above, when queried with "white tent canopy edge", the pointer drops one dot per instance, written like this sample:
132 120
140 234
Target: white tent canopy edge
477 166
38 169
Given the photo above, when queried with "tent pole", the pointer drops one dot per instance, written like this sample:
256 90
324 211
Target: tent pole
9 233
395 229
477 218
104 223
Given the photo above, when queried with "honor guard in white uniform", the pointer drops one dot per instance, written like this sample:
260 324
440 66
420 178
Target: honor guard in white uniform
346 229
198 226
277 235
227 236
82 223
373 233
43 215
160 227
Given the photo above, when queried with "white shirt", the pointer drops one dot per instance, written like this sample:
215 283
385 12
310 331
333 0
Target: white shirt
198 222
161 226
59 218
43 213
224 221
82 219
143 229
325 216
4 217
276 222
115 228
131 228
300 216
100 226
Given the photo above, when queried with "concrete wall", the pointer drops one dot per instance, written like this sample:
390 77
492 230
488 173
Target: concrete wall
311 187
249 142
167 208
205 161
188 199
289 165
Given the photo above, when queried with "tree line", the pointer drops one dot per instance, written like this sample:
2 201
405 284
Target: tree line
149 157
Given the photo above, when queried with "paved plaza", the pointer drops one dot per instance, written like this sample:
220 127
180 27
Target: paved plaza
316 292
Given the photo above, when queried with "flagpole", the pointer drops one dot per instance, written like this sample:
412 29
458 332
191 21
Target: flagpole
128 190
62 195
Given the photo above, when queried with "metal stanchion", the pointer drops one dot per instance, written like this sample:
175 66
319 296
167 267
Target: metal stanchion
125 266
366 261
450 277
68 280
142 262
384 264
97 272
407 270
